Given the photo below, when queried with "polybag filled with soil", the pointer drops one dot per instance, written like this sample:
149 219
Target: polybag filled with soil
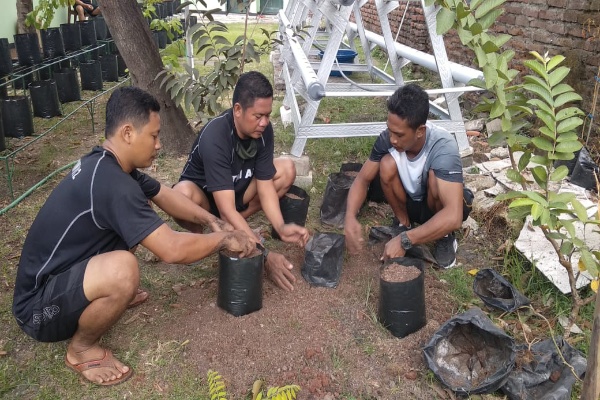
496 291
583 172
541 374
469 354
333 208
323 259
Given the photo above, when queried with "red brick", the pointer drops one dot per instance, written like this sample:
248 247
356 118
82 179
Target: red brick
515 31
553 14
522 20
558 3
530 12
507 19
579 5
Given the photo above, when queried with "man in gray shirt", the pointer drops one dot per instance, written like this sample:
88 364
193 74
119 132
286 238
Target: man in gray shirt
421 176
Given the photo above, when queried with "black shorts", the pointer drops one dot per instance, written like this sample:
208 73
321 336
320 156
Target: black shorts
419 212
86 11
53 313
214 210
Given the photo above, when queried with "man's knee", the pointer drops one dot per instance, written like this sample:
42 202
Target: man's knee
115 272
286 172
387 168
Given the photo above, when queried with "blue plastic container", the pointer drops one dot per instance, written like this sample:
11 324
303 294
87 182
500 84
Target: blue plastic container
343 56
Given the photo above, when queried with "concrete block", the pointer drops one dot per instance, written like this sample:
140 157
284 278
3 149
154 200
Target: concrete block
302 163
304 181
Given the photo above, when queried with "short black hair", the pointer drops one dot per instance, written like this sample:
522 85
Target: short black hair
251 86
411 103
129 104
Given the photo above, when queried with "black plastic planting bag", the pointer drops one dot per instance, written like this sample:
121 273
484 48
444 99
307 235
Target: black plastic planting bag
402 303
17 120
91 75
496 291
44 99
323 259
294 207
6 66
583 173
240 284
88 32
100 27
52 42
67 85
28 49
110 68
2 141
375 191
470 355
541 373
383 234
333 208
71 34
121 65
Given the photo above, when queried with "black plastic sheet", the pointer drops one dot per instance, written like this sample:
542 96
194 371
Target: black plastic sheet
497 292
6 66
17 120
28 49
52 42
402 304
240 284
44 99
294 207
541 374
88 32
71 34
67 85
110 68
323 259
91 75
470 355
333 208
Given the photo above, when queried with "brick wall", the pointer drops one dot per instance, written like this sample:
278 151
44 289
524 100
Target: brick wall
567 27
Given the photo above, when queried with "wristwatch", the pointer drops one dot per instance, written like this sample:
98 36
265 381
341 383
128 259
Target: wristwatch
405 241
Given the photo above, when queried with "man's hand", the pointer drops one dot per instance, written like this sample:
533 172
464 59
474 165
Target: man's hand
279 270
292 233
239 242
393 249
218 225
89 6
354 237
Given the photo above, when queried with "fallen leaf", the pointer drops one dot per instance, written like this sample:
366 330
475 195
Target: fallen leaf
473 271
3 353
130 320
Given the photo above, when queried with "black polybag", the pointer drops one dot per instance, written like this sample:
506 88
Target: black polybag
28 49
375 191
67 85
293 210
240 284
110 68
6 66
469 354
52 42
17 120
383 234
91 75
531 380
401 306
496 291
323 259
88 32
583 173
100 27
2 141
71 34
44 99
333 208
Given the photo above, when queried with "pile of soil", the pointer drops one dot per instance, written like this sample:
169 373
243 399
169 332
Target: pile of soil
400 273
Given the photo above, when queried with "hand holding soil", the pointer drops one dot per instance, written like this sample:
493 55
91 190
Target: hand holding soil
354 237
292 233
393 249
279 270
218 225
238 242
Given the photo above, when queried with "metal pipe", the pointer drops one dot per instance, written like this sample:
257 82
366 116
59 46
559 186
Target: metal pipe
343 2
460 73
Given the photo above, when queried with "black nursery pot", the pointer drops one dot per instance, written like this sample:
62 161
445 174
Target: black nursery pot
402 304
240 284
71 34
375 191
52 42
122 67
110 68
91 75
44 98
67 85
6 65
2 141
88 32
28 49
294 208
17 120
101 28
333 208
161 39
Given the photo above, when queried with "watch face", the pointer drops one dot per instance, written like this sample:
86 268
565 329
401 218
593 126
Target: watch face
405 241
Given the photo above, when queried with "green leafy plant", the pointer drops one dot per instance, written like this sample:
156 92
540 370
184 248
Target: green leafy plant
217 390
42 15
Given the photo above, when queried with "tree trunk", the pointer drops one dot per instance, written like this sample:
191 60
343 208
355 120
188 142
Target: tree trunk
24 7
136 44
591 383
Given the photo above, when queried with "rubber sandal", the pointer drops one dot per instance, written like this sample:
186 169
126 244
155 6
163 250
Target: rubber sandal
139 298
106 361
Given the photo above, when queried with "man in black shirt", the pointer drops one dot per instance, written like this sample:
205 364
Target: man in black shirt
231 171
85 7
77 273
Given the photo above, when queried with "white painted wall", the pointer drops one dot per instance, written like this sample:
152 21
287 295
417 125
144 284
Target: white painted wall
8 18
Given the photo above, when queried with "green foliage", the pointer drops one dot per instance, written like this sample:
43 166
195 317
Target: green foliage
42 15
216 387
203 93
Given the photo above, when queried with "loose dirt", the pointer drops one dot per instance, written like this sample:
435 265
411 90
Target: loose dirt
400 273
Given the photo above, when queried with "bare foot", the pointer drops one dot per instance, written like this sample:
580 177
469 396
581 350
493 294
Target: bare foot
97 365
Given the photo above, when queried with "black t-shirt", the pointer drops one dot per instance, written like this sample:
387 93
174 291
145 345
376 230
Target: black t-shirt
95 209
214 165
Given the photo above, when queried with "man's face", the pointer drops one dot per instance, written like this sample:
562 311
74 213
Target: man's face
145 142
252 122
402 137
